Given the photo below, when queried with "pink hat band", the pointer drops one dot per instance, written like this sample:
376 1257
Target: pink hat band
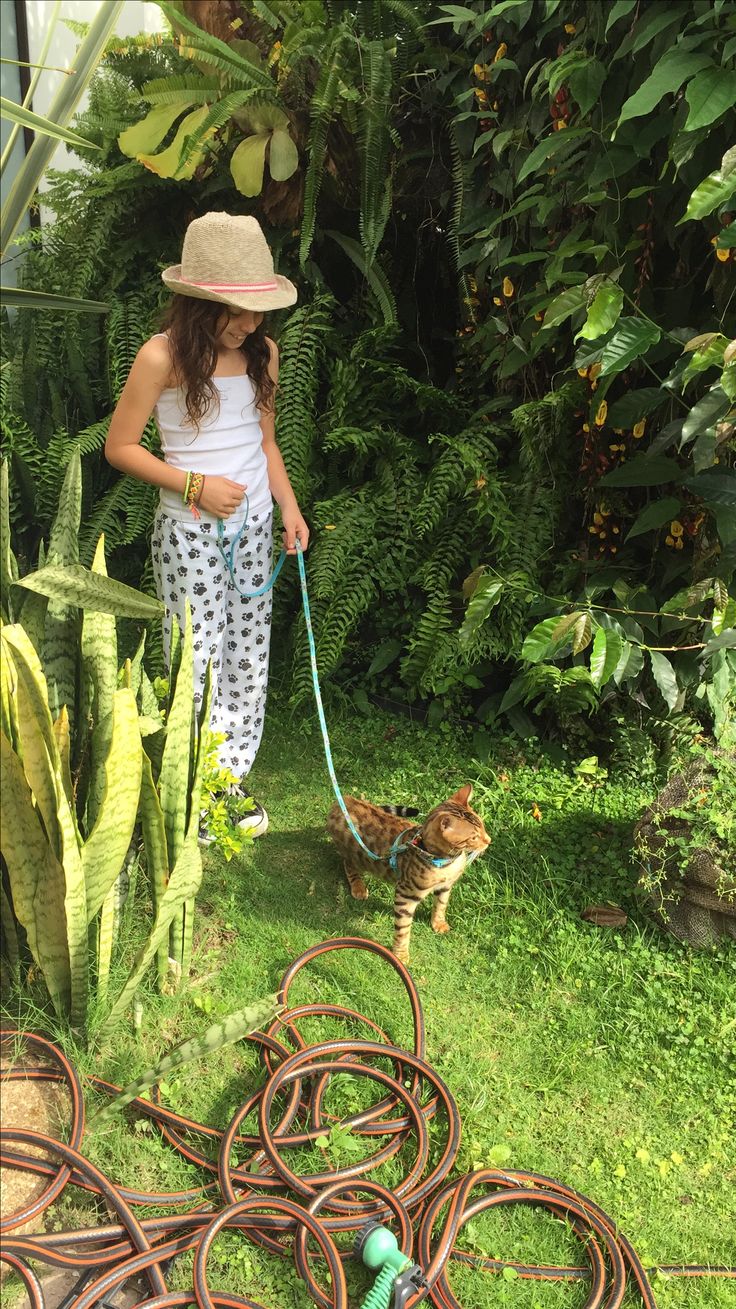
239 287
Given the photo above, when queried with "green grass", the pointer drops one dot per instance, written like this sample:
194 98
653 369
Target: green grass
602 1058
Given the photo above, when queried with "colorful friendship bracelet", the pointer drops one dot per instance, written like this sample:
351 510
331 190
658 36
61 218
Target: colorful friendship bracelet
193 491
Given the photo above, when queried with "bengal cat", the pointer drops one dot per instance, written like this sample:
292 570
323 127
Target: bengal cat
433 856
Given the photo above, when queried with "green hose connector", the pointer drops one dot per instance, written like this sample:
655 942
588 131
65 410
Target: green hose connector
396 1280
382 1290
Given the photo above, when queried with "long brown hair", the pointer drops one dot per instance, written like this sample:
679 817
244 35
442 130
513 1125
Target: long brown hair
193 326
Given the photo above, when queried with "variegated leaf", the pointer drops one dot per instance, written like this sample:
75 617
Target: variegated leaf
230 1029
36 879
105 849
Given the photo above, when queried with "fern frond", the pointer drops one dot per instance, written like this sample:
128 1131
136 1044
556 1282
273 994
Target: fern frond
322 111
375 189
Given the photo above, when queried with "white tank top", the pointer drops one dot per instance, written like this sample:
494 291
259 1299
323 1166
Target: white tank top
229 443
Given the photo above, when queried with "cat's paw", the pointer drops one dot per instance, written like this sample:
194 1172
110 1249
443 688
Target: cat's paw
359 891
441 927
401 955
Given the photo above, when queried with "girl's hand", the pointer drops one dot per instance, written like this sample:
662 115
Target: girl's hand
295 529
220 496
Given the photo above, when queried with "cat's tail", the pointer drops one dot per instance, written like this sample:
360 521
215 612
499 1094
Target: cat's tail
400 810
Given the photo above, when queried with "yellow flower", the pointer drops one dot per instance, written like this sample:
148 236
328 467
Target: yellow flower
501 52
495 105
669 540
602 413
638 428
582 372
597 518
594 371
679 543
676 527
480 483
570 28
538 317
560 125
497 300
722 256
481 96
480 72
508 287
329 527
593 530
586 427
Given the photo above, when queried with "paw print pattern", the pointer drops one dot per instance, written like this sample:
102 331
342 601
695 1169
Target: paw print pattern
228 630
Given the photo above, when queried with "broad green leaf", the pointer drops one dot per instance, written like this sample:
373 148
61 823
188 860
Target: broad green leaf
549 147
716 487
674 68
727 237
704 451
728 380
603 312
565 626
76 585
582 633
632 338
655 515
143 137
644 470
715 190
104 850
283 156
630 408
619 10
253 1018
586 81
630 663
563 305
264 117
36 879
156 853
710 355
247 163
604 657
664 676
714 404
386 653
485 596
709 95
35 730
169 162
539 643
14 113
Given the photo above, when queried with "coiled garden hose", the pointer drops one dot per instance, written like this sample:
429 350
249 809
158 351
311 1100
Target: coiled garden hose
281 1210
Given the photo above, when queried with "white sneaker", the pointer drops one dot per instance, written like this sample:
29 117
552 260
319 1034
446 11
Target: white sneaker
256 822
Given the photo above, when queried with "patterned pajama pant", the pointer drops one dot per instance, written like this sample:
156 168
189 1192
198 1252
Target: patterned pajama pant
230 631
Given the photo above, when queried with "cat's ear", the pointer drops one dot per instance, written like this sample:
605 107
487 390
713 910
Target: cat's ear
462 796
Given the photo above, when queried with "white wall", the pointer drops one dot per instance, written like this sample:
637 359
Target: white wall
135 16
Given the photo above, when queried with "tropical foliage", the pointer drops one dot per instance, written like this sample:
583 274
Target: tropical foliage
507 395
85 750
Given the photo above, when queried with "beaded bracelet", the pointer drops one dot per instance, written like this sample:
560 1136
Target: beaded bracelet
193 491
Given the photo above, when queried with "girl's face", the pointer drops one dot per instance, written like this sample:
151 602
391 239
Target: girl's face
235 324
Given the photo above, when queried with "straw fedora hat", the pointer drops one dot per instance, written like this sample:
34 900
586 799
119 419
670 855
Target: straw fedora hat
226 258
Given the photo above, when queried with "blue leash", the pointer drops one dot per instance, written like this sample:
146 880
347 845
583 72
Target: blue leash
399 844
229 557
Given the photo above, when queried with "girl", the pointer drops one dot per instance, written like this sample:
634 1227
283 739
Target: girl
210 379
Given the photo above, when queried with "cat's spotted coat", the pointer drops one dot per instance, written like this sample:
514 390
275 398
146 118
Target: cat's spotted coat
451 833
